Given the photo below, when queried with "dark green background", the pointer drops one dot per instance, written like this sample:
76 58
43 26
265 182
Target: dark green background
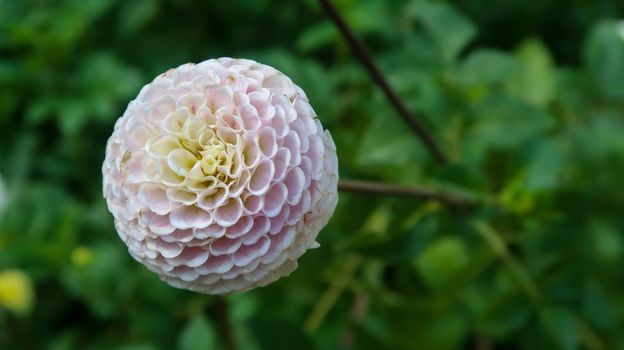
526 98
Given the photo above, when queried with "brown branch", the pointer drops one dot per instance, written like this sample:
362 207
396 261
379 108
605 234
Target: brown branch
367 60
370 187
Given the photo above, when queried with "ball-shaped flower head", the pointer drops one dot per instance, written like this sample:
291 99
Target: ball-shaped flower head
220 176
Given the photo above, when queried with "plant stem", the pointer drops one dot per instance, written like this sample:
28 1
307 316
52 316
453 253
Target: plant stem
499 247
367 60
222 310
332 293
370 187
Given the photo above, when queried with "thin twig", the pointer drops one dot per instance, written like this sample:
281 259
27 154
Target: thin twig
369 187
367 60
222 311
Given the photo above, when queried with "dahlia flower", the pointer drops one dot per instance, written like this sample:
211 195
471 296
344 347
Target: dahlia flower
220 176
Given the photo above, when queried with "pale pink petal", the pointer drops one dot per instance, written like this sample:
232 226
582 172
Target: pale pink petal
275 199
191 257
224 245
267 141
278 221
261 177
216 264
281 161
249 114
155 198
212 231
294 181
184 217
242 226
161 108
301 208
218 97
179 236
253 204
158 224
212 198
306 168
284 238
293 144
278 123
247 253
228 214
169 250
260 227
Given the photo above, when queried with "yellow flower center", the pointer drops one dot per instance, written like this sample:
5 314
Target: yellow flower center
192 151
213 156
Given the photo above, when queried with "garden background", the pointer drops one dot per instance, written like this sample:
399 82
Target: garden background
525 97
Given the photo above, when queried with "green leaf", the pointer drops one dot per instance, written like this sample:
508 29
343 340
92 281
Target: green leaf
135 15
604 58
450 30
41 110
597 307
536 79
608 244
359 17
316 36
504 122
73 114
103 74
198 334
442 261
486 66
388 141
101 282
601 137
445 332
546 166
560 324
499 310
506 316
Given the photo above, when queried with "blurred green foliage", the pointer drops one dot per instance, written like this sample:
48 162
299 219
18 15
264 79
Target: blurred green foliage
525 97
